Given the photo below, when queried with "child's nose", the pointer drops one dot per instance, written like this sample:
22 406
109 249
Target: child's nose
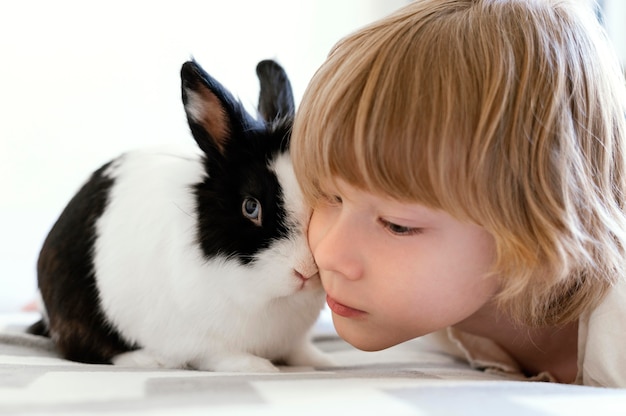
338 249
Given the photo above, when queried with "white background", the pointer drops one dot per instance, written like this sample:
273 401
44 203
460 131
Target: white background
82 81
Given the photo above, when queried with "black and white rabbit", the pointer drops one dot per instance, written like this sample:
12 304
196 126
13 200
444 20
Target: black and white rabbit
166 259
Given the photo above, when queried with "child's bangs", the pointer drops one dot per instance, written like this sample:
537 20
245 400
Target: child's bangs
367 151
382 123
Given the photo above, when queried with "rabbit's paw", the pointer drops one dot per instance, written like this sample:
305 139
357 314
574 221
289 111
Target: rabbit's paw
307 355
142 359
241 363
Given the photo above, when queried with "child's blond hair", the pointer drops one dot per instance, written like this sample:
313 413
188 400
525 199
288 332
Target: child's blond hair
509 114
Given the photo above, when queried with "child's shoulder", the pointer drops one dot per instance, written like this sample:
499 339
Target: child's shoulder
602 335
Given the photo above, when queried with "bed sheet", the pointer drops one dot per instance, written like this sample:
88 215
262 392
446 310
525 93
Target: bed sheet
409 379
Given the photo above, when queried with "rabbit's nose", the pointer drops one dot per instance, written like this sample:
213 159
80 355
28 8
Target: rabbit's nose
307 267
300 276
307 281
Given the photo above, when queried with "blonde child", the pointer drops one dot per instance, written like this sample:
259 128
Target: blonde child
464 160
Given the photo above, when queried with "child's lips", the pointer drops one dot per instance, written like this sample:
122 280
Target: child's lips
343 310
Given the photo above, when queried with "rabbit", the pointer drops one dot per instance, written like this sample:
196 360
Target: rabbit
171 260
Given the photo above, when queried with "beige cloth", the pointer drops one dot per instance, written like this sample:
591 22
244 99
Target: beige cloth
601 346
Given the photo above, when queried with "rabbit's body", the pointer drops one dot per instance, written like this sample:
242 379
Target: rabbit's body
167 259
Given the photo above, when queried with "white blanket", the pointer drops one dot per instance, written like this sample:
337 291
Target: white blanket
409 379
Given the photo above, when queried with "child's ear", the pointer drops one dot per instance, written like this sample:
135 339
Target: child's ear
214 116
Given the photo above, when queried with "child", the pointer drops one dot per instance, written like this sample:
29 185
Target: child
464 160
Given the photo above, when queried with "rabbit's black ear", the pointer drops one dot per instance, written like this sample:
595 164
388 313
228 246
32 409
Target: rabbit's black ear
213 114
276 96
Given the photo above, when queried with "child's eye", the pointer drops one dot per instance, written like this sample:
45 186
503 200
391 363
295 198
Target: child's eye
400 229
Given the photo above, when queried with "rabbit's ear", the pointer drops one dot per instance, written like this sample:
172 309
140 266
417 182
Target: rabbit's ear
276 96
213 114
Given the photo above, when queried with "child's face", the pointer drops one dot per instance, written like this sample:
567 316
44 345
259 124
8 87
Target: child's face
394 271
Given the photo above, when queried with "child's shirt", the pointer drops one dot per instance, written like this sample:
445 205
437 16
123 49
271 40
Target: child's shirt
601 346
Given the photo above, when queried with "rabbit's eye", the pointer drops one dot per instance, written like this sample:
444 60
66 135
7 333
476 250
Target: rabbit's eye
251 209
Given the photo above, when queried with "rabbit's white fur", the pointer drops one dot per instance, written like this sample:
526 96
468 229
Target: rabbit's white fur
183 309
